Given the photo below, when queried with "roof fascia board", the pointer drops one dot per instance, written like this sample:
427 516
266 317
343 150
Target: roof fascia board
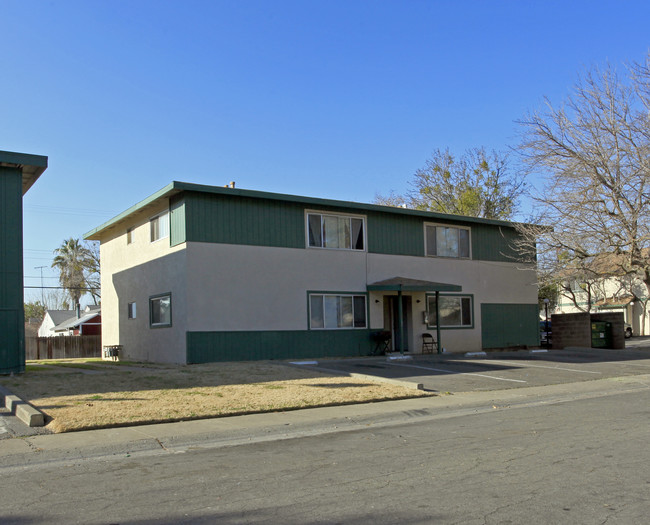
186 186
167 191
32 166
177 187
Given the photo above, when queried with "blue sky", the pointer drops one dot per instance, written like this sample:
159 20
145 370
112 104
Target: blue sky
332 99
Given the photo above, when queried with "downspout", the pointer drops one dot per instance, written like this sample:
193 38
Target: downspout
401 320
438 322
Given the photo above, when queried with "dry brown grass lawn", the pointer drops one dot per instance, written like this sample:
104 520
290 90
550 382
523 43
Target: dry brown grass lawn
81 394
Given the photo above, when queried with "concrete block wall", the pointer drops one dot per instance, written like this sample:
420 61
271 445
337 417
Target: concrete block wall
571 330
575 329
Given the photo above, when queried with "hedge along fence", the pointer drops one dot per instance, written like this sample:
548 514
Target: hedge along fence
63 347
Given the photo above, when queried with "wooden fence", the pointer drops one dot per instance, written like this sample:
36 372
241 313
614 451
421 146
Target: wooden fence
63 347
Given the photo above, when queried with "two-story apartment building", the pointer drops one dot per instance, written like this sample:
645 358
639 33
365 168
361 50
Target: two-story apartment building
204 273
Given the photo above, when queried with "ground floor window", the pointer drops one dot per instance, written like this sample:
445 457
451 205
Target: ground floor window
330 311
160 310
455 311
131 311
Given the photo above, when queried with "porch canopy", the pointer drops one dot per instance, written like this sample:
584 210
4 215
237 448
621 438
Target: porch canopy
404 284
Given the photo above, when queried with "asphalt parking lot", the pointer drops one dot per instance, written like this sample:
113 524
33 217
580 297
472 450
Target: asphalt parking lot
500 370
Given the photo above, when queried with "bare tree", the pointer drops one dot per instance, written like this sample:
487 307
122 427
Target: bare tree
477 184
594 153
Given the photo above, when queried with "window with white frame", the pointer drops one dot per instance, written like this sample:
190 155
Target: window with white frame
341 232
447 241
332 311
160 310
131 311
455 311
159 226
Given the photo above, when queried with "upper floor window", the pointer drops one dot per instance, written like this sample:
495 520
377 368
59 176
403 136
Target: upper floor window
335 231
447 241
159 226
129 236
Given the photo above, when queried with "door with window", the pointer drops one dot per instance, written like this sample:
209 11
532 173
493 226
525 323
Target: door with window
392 303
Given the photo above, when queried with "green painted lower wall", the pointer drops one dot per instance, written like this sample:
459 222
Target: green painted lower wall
207 347
509 325
12 325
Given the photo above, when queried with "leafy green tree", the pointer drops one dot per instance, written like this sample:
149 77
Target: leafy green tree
72 260
35 310
476 184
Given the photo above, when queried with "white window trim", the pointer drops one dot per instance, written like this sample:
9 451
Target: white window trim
435 224
336 214
334 294
134 310
152 218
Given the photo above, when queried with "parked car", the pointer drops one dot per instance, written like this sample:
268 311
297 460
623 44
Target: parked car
628 330
545 332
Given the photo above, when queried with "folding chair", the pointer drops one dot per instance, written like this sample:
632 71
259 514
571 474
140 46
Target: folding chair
428 343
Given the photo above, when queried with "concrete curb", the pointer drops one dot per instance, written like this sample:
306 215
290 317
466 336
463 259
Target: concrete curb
21 409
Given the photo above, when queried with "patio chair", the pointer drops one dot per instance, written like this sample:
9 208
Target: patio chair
429 344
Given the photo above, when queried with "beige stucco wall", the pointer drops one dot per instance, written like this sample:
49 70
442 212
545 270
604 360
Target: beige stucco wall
235 287
133 273
221 287
488 282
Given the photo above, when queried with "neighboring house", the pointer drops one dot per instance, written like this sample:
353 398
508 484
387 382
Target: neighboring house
605 295
203 273
605 284
70 322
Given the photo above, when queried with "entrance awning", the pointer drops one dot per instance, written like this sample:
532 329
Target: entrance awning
404 284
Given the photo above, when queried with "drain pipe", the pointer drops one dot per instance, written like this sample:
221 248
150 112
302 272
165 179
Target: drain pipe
400 313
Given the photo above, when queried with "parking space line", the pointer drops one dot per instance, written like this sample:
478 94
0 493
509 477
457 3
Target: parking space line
518 364
459 373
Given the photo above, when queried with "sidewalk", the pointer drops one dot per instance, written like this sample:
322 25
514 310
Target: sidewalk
256 428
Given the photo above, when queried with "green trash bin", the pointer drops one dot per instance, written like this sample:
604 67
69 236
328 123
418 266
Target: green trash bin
601 334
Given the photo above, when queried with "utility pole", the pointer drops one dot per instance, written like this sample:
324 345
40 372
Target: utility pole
42 293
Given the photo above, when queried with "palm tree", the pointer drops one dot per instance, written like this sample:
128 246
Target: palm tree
71 259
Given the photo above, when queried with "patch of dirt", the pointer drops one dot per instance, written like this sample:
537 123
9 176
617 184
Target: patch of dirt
87 394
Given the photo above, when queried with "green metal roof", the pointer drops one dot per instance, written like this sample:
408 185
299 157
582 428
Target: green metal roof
405 284
176 187
32 166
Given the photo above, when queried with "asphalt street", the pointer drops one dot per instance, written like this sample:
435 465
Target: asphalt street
555 454
558 437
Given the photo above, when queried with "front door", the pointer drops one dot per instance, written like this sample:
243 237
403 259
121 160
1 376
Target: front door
395 324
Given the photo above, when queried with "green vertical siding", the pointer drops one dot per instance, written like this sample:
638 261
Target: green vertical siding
395 234
236 219
207 347
496 243
243 220
177 226
12 326
509 325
